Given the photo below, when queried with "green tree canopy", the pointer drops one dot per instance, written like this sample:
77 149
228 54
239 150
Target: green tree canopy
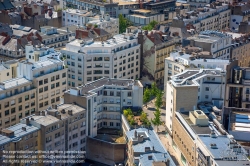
127 112
146 96
123 23
143 117
158 100
157 119
150 26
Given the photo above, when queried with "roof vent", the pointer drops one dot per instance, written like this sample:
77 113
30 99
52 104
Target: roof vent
24 128
213 146
63 111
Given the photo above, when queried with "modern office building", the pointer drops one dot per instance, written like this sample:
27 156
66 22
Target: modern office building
115 58
217 43
190 87
46 72
104 100
145 149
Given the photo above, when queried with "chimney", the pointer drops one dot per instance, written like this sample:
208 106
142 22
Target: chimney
59 116
135 134
43 113
24 128
70 112
27 121
168 162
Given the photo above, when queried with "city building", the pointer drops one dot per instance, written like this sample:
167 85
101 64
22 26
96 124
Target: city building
238 125
8 70
88 61
193 86
240 48
220 150
19 31
62 128
56 37
198 140
98 7
155 47
45 70
97 34
240 14
142 17
18 99
198 4
218 44
144 148
19 137
105 99
214 16
111 25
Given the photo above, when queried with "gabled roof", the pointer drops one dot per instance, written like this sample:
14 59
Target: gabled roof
6 5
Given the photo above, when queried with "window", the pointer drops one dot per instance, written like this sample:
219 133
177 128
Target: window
41 82
53 78
7 112
52 100
52 86
20 108
129 94
63 75
27 97
206 96
40 90
57 77
19 100
46 88
8 74
111 124
46 81
207 88
57 84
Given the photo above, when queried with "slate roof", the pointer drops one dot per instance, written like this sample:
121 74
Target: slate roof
6 5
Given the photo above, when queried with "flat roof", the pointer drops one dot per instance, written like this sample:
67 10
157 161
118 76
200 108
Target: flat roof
86 88
222 149
13 83
19 132
45 120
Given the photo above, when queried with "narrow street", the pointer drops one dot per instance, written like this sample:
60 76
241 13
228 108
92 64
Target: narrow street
150 112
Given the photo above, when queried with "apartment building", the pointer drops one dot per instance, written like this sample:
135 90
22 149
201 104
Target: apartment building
198 4
97 34
98 7
197 141
8 70
61 128
217 43
144 148
115 58
240 15
193 86
155 47
46 72
215 16
18 99
240 48
104 100
238 88
77 17
19 137
56 37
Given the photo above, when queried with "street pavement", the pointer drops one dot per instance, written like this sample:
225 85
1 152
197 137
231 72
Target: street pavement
150 109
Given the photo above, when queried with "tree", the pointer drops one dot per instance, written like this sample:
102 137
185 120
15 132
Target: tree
150 26
148 124
95 26
131 120
146 96
158 100
157 119
154 89
143 117
127 112
123 23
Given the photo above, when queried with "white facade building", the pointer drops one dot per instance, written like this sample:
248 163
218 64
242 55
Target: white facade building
115 58
105 99
190 87
44 68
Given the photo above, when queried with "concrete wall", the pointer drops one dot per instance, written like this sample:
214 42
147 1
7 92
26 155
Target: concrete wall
105 152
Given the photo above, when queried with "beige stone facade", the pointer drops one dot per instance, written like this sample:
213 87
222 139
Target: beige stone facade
17 101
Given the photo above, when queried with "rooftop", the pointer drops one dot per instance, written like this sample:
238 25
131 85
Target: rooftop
20 130
151 141
219 147
209 36
87 88
190 77
13 83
